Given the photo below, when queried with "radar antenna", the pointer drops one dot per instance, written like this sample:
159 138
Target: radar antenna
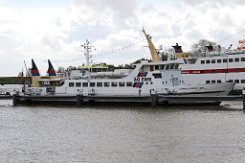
87 49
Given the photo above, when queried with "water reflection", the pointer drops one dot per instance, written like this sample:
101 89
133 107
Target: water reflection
121 133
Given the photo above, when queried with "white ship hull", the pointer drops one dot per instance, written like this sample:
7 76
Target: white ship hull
211 70
144 80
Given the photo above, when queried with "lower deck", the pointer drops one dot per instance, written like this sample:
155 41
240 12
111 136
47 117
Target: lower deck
152 100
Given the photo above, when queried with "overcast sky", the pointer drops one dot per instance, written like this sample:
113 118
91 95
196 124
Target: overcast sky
55 29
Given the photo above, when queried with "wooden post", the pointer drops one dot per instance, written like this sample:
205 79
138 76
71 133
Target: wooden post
14 100
153 99
78 100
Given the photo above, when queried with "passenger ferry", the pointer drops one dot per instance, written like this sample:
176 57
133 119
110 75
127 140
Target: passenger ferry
147 78
162 78
216 67
212 67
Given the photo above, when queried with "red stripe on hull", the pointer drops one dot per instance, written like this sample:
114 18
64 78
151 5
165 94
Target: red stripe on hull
213 71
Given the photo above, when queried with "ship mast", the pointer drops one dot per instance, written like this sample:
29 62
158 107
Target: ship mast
87 49
154 55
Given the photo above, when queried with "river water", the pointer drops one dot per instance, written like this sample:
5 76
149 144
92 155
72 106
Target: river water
127 134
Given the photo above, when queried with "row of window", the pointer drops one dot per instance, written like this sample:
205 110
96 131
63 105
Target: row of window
224 60
167 67
237 81
219 81
213 81
100 84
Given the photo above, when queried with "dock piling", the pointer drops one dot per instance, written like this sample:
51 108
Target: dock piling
153 99
14 100
78 100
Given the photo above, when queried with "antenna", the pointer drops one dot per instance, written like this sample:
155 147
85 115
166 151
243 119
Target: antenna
87 49
26 69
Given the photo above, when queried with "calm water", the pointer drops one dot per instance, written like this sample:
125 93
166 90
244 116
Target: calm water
122 134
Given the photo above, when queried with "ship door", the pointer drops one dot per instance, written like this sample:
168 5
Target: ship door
175 81
151 68
162 90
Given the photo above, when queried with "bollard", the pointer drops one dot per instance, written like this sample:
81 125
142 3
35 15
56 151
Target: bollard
153 99
78 100
14 100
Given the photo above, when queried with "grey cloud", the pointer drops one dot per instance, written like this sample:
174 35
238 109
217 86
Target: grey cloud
122 9
215 2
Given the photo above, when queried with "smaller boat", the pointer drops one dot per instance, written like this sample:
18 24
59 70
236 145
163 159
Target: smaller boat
10 89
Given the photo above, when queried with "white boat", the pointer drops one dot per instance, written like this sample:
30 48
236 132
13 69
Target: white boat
147 78
212 67
10 89
216 67
162 78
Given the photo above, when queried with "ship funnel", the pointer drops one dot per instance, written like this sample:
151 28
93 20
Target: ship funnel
179 52
51 71
34 70
35 75
177 48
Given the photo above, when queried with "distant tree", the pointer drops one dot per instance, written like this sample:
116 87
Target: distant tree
139 60
200 49
128 66
111 67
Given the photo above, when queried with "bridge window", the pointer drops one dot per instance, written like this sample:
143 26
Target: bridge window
207 81
92 84
99 84
202 62
157 75
213 61
156 67
114 84
224 60
172 66
213 81
243 59
218 81
129 84
78 84
106 84
71 84
161 67
85 84
151 67
237 59
176 66
218 60
121 84
230 59
236 81
207 61
243 81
